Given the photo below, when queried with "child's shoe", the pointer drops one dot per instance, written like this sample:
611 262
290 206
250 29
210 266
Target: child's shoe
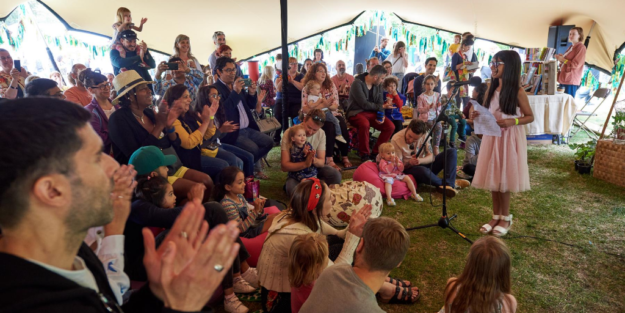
340 138
390 202
417 197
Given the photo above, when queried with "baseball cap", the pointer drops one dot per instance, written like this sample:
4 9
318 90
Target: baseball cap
149 158
128 34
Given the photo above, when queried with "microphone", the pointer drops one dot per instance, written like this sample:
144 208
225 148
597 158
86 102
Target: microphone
474 81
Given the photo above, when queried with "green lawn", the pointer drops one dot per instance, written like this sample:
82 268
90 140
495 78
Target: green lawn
547 276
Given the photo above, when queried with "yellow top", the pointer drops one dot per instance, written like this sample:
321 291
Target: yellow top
190 141
454 47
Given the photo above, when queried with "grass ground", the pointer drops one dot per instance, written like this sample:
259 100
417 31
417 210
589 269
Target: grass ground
547 276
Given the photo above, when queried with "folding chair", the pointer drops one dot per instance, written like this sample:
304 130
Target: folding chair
601 93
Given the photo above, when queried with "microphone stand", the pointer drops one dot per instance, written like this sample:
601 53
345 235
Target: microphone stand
443 221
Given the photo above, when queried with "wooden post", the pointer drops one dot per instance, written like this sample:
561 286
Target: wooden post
607 120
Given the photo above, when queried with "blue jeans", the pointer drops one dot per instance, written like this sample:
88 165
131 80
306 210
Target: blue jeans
213 166
570 89
246 158
254 142
423 175
455 129
229 157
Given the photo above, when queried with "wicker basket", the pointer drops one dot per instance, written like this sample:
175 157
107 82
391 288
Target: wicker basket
610 162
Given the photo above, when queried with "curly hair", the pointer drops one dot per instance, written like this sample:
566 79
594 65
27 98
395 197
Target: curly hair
310 75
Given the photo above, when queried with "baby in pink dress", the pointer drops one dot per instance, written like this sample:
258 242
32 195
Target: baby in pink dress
391 169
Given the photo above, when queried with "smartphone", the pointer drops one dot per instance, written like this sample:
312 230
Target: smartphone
247 81
172 66
17 64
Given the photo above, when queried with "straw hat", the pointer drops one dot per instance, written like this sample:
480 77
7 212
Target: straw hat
126 81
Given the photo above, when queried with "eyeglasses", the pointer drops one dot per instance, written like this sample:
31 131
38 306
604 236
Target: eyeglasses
219 33
229 70
58 95
321 71
495 64
317 118
217 96
6 58
105 86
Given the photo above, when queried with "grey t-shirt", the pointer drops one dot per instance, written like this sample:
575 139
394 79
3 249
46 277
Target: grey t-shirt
340 290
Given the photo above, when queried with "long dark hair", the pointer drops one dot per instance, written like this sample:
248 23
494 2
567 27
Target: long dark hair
151 189
202 98
481 92
299 204
227 176
508 97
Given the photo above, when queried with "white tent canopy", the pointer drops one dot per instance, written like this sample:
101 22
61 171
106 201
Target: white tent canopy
253 26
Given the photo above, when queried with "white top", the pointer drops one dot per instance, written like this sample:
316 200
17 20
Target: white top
398 67
109 112
80 274
273 263
110 251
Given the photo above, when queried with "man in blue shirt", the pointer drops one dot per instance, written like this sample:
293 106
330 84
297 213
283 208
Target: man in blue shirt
381 52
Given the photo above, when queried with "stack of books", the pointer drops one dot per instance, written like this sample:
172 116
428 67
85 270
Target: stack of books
539 54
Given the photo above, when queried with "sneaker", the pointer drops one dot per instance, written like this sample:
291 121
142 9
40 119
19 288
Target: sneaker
462 139
390 202
417 198
448 191
234 305
452 145
251 277
340 138
462 145
462 183
242 286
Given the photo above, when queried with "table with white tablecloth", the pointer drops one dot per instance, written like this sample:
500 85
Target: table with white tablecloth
553 114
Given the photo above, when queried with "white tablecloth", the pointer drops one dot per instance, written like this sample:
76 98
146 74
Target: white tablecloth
552 114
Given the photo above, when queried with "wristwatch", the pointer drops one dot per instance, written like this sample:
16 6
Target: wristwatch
13 87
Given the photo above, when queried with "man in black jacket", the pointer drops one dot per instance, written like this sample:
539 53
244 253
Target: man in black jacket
56 184
137 57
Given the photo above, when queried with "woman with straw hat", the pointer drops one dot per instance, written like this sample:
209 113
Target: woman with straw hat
136 124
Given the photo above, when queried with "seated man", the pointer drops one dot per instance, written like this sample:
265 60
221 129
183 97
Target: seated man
364 104
343 288
53 193
408 141
313 122
44 87
343 83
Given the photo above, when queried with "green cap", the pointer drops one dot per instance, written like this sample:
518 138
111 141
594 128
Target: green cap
147 159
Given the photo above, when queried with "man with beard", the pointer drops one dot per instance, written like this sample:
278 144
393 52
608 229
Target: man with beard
343 83
138 59
56 183
430 68
219 39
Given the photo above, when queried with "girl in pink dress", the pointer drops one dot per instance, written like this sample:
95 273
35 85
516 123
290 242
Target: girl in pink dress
502 162
391 169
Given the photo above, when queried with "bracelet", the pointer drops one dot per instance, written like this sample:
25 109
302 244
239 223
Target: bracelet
171 130
516 121
13 87
212 117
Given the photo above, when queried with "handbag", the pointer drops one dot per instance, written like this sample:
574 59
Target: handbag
252 188
266 124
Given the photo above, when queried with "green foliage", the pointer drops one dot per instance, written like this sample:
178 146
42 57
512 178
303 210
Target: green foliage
585 150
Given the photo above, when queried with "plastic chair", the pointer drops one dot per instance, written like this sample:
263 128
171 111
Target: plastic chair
601 93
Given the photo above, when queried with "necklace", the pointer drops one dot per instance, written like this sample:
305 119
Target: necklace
139 117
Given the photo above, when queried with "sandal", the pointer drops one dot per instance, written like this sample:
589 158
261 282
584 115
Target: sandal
406 296
261 175
346 162
398 282
499 231
251 297
486 228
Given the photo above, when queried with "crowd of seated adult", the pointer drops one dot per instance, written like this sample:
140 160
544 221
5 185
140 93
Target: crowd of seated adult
179 149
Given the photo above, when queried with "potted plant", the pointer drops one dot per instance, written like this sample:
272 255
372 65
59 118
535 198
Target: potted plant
618 127
584 153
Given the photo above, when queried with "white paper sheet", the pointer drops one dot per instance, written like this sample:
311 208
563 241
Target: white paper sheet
485 123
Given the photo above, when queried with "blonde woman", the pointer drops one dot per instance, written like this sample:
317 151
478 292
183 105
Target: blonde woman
399 61
182 49
265 82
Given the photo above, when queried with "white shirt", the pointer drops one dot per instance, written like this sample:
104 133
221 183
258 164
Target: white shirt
80 274
398 67
109 112
110 251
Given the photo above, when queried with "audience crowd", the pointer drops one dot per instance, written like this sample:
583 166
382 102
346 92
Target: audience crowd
121 190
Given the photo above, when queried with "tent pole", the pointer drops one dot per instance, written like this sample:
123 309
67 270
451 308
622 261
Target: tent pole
587 41
605 125
377 33
284 16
